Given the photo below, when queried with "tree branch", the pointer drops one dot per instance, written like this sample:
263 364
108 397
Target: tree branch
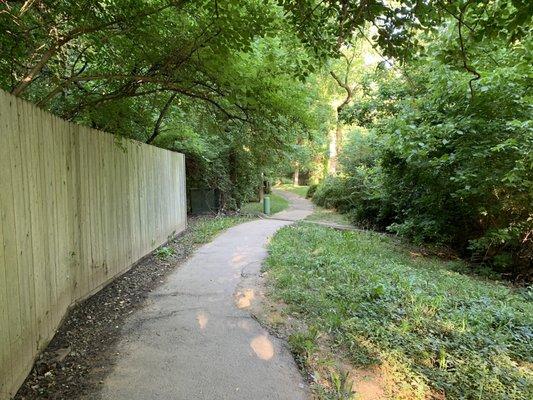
114 96
470 69
73 34
142 79
346 87
159 121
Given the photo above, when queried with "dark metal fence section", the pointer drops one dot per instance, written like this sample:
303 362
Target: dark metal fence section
203 200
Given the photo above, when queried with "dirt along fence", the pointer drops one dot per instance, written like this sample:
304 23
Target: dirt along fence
77 208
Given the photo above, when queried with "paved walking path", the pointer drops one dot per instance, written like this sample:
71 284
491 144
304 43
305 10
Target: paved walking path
195 338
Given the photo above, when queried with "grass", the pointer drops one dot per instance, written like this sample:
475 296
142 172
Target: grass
277 204
206 228
201 230
299 190
325 215
437 333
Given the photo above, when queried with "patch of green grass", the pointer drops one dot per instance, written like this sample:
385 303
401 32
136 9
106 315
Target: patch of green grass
206 228
303 345
277 204
325 215
299 190
438 330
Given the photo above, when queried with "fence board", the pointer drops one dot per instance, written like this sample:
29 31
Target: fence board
7 308
10 250
75 211
21 235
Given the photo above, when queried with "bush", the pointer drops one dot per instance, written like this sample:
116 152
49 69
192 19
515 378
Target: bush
332 192
446 168
311 191
359 190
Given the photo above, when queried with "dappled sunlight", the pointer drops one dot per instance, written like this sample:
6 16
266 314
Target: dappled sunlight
238 259
262 347
343 181
202 319
244 298
368 384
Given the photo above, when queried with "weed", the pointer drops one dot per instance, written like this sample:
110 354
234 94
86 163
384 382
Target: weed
164 252
303 345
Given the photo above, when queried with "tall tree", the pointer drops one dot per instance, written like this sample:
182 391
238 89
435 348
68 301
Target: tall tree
343 81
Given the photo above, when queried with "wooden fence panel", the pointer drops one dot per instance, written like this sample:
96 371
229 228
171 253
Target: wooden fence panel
76 210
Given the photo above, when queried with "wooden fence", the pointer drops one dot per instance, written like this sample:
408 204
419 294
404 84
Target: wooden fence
76 210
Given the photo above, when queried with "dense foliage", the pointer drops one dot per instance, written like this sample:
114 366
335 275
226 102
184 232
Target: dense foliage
220 81
435 332
326 24
444 155
235 85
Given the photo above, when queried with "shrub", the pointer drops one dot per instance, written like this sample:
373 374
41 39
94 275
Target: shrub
311 191
445 168
359 190
333 193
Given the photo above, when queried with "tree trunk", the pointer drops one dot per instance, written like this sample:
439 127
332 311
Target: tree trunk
332 160
233 177
296 175
335 137
333 149
262 188
36 69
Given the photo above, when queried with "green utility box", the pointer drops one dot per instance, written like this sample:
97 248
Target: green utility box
266 205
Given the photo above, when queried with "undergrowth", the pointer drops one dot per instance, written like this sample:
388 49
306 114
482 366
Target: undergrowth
437 331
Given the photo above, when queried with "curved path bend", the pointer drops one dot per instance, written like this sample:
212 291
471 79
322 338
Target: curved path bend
196 340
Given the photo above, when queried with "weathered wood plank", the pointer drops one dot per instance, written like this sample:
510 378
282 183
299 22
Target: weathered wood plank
7 307
9 132
22 231
73 201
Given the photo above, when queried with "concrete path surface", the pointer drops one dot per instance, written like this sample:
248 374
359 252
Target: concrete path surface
298 209
196 340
